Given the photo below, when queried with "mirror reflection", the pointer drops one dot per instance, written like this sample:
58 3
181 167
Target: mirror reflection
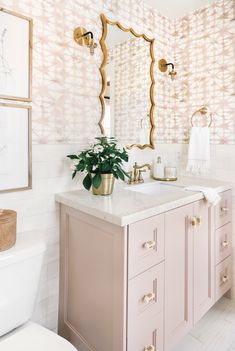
127 85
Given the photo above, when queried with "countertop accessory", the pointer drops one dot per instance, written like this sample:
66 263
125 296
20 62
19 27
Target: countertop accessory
170 172
102 162
163 65
106 186
7 229
136 173
158 168
165 179
84 38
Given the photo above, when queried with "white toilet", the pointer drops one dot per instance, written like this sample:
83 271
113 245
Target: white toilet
20 269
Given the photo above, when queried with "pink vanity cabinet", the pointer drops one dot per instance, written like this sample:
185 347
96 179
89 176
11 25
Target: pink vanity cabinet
143 286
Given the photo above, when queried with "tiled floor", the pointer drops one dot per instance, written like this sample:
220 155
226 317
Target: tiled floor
215 332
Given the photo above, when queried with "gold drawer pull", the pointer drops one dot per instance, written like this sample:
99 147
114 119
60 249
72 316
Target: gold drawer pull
224 278
224 209
224 243
149 297
149 244
149 348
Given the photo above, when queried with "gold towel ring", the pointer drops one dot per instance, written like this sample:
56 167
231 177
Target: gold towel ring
204 111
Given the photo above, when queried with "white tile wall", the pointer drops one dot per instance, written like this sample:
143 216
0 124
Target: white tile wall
37 211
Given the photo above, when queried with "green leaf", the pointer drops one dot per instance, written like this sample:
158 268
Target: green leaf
87 181
120 174
74 173
96 180
114 173
72 157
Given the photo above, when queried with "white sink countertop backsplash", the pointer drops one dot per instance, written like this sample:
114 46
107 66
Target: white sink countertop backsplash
126 206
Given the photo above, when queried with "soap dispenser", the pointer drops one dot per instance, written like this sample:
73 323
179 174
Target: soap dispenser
158 169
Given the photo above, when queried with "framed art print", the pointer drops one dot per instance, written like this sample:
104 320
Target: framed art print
15 56
15 147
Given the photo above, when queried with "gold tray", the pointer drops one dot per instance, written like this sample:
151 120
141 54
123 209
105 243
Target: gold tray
166 179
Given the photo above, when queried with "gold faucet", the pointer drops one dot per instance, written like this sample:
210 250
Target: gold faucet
136 173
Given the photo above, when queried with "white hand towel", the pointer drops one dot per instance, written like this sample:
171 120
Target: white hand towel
199 150
210 194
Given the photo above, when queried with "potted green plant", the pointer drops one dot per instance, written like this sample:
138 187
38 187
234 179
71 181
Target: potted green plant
102 163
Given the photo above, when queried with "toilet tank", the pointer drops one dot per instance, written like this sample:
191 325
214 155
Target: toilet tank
20 269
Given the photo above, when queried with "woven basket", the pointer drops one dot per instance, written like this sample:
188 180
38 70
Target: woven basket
7 229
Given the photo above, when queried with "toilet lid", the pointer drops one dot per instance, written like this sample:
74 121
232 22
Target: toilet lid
34 337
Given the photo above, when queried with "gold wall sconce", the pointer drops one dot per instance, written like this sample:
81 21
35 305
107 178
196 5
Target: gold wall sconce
84 38
163 65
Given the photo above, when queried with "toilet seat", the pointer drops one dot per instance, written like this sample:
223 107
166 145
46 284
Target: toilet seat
33 337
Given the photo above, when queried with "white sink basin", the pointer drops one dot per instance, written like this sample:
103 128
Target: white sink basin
154 188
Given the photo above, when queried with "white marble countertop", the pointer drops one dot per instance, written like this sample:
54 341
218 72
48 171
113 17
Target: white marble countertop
126 206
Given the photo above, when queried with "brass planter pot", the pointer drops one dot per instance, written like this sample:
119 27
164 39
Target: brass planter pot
106 186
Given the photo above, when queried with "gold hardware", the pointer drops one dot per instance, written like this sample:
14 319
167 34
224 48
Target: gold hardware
224 243
199 220
163 64
149 244
135 174
105 21
194 221
149 298
149 348
84 38
203 111
224 209
224 278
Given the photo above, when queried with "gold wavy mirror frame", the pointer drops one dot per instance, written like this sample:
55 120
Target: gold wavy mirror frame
105 22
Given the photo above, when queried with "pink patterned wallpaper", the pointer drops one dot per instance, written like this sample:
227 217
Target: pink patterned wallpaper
204 54
66 79
67 82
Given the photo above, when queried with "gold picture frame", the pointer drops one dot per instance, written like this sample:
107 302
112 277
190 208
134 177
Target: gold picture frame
28 56
28 152
105 21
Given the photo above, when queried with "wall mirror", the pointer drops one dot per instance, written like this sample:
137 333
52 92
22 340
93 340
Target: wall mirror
127 95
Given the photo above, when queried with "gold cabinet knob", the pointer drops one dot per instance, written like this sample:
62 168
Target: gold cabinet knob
199 220
149 298
224 278
194 221
224 243
149 244
149 348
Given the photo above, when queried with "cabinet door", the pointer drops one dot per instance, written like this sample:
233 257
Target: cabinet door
203 260
178 274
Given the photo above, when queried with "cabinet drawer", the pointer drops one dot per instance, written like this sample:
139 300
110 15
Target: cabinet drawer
223 242
223 209
145 310
223 277
145 293
147 336
146 244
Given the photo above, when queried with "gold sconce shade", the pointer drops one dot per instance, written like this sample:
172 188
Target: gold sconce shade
163 65
84 38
